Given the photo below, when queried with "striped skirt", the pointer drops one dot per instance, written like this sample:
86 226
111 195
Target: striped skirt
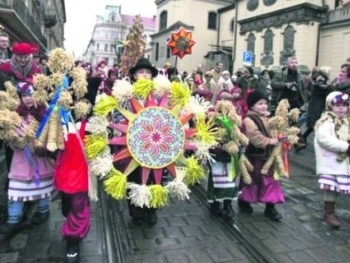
336 183
29 190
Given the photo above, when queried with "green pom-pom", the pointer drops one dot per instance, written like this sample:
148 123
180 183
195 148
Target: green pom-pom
106 105
95 144
159 196
143 87
194 172
115 185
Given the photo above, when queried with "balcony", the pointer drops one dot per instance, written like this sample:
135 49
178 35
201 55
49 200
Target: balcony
16 17
339 15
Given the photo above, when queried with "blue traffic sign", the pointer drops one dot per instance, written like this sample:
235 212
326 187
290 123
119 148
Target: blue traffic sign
248 57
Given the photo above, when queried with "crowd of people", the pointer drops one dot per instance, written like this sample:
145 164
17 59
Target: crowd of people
34 174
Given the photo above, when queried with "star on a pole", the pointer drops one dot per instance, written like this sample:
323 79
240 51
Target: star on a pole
181 42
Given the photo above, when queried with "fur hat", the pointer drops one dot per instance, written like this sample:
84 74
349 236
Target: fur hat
144 63
22 49
254 97
337 97
25 88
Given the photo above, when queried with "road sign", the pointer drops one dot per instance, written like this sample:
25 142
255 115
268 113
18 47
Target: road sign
248 58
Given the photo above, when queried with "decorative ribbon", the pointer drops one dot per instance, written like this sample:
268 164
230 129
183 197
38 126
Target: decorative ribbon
33 162
285 149
65 85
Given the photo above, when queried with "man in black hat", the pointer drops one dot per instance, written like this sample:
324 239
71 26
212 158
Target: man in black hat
142 70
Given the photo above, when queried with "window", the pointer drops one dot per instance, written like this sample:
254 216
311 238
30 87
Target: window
268 42
168 52
157 51
232 25
111 48
163 20
97 47
251 45
288 41
106 47
212 17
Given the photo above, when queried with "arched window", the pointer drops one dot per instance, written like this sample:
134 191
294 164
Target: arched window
268 41
288 41
212 20
106 47
267 56
288 44
251 45
163 20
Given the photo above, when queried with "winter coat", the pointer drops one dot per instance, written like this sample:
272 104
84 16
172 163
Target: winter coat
327 145
280 90
317 102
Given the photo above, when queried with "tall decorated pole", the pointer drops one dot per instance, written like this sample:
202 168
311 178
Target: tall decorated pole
181 43
133 46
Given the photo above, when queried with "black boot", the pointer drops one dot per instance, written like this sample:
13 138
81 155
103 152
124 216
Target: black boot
215 207
229 213
271 212
73 251
9 230
39 218
151 216
244 206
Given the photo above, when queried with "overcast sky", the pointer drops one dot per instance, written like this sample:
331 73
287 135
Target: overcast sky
81 18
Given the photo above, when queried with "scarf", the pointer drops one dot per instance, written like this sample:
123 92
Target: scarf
19 72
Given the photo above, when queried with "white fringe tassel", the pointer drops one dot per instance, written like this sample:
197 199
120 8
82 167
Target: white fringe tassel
102 165
139 195
178 189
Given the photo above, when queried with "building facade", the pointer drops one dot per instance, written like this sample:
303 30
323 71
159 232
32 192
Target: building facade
40 22
110 31
272 30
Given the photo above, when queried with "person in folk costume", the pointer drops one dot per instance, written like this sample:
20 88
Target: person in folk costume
71 177
221 187
264 188
31 170
332 150
20 68
142 70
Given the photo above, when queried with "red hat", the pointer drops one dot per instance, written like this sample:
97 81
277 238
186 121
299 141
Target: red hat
22 49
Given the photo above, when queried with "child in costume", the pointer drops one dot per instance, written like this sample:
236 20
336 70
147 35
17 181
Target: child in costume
30 175
332 150
71 180
264 188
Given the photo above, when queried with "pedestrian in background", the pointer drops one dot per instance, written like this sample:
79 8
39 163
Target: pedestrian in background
264 188
332 150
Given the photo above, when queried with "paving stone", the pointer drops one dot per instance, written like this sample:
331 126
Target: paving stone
301 256
177 256
173 231
9 257
176 221
192 231
19 242
211 230
220 254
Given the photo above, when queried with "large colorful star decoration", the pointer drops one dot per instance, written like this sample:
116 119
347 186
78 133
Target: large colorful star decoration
150 141
181 42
